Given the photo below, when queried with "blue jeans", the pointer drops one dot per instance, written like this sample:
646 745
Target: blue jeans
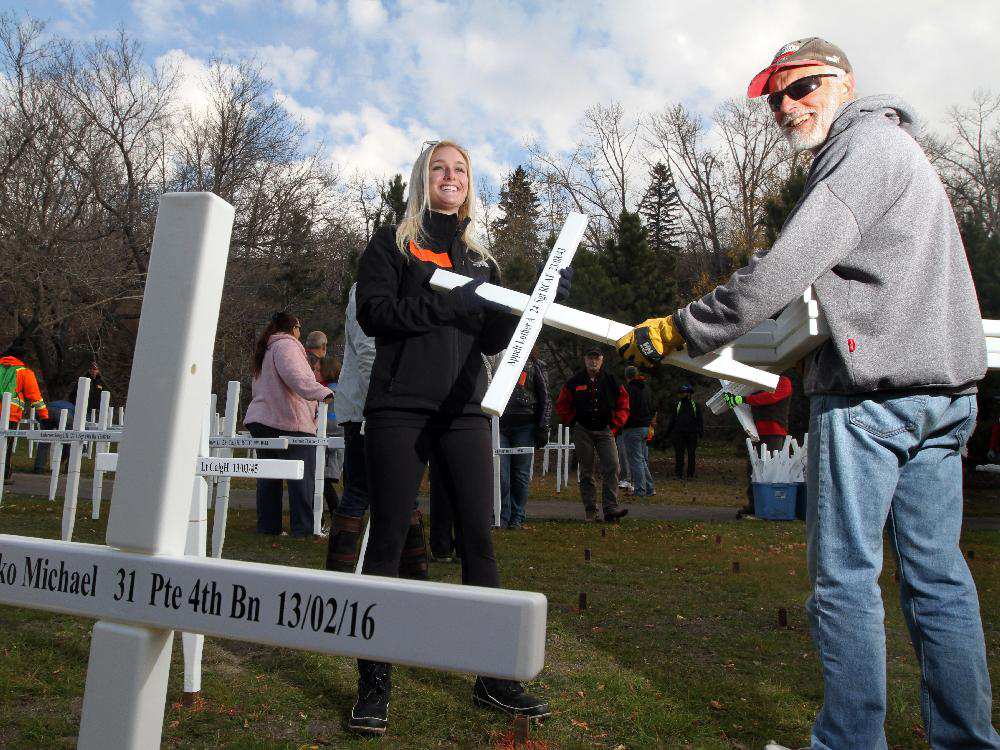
514 473
637 454
893 464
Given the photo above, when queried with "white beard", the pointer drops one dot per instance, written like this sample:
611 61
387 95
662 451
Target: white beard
813 137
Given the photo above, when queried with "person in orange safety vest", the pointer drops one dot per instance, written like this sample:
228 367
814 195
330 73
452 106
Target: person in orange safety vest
20 381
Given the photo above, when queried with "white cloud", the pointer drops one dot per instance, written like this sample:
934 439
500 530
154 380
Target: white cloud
80 11
163 19
371 142
286 66
367 16
191 72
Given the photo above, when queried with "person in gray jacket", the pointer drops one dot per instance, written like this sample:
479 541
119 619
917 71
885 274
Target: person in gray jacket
349 403
891 395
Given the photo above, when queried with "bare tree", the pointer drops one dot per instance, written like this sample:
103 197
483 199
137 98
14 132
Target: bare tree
598 177
968 157
679 135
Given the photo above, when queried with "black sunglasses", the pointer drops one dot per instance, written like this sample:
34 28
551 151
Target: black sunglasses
798 89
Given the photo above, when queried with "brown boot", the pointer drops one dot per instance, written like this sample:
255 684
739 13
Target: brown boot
342 547
413 563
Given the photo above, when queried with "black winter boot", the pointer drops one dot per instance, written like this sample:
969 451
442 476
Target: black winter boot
413 563
370 714
508 696
342 547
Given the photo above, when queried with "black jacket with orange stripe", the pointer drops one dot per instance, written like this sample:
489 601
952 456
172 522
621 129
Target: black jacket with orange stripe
428 346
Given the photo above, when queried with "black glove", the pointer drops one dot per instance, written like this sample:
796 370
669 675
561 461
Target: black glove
466 301
565 283
541 438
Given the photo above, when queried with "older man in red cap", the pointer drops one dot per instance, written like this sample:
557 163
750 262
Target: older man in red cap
891 395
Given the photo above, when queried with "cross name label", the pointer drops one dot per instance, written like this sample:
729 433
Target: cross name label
289 607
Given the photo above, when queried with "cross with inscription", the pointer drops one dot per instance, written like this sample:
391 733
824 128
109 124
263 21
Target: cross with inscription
141 587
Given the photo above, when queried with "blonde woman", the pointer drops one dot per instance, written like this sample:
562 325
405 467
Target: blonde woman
424 397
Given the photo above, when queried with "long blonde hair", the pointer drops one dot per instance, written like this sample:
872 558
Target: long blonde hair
411 227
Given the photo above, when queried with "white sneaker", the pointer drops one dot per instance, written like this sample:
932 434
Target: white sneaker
622 485
772 745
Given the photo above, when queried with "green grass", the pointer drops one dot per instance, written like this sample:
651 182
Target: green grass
674 650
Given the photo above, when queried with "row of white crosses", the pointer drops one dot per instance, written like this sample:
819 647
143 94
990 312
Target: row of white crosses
141 586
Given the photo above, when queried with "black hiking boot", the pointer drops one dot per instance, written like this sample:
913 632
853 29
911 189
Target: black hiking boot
342 546
413 562
508 696
370 714
614 515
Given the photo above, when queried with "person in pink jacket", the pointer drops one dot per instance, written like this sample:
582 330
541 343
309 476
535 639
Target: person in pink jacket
285 393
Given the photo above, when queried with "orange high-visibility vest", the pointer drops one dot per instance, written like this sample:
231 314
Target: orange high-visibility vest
25 393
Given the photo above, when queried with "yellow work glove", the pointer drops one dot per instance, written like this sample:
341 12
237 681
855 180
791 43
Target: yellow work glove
650 341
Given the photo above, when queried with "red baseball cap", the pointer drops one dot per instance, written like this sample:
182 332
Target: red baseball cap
797 54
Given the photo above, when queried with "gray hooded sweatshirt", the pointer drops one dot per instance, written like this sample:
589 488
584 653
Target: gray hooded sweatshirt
875 235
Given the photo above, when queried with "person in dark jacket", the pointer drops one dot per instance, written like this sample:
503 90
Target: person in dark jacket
424 398
636 431
524 423
685 427
595 404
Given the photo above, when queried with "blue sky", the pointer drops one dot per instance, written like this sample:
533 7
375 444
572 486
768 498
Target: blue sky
374 79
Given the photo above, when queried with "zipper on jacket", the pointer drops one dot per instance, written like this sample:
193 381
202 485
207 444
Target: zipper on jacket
394 368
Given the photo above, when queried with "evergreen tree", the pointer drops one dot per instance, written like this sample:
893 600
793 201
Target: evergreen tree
659 209
983 252
515 233
778 207
392 197
393 204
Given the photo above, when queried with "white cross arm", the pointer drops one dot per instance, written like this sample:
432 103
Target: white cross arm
441 626
329 442
248 442
596 328
66 436
522 451
272 468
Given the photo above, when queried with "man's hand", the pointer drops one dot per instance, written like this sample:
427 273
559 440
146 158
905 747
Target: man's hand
650 341
541 439
732 399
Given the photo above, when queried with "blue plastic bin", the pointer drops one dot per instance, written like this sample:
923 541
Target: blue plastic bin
800 501
774 502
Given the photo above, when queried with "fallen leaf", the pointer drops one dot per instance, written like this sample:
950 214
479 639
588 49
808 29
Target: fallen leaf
716 705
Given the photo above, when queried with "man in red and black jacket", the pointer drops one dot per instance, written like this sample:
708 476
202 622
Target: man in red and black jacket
596 405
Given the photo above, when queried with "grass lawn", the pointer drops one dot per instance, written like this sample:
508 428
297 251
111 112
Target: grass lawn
675 649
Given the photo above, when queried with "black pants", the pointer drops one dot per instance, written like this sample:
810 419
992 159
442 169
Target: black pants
442 533
300 491
397 453
354 503
684 443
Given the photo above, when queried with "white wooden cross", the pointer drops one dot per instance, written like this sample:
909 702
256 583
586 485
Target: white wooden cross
539 308
141 587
